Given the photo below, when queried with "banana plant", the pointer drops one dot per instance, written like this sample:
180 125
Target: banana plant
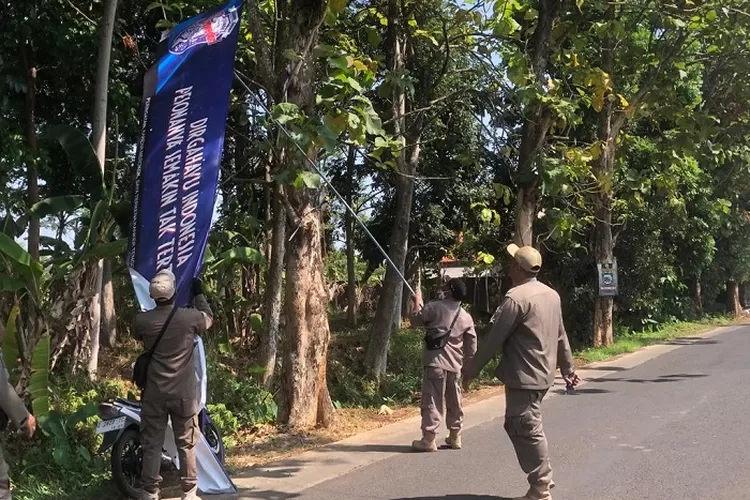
26 279
100 208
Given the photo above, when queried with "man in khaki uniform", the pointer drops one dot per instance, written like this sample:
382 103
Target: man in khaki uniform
441 385
529 330
15 411
171 390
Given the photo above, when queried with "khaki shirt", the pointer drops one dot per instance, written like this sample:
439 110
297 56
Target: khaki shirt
462 343
171 373
529 330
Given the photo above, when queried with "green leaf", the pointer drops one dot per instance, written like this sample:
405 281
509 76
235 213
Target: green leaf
337 5
84 453
158 5
245 255
96 219
311 180
81 155
256 370
10 248
373 37
54 205
108 250
711 16
354 84
256 321
61 452
10 284
39 382
82 414
10 340
284 112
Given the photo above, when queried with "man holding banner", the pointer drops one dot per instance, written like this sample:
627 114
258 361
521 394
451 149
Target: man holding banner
184 112
171 392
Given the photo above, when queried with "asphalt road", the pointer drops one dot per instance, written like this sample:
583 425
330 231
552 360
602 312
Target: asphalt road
675 427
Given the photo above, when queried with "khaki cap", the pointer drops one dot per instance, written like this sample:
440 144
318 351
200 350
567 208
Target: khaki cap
527 257
162 286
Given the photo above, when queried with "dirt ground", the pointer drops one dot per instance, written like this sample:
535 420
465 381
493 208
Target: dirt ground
267 443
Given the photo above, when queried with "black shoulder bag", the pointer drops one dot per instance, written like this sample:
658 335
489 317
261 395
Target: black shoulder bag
434 343
140 369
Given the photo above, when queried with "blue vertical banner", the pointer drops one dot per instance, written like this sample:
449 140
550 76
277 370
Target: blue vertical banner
184 112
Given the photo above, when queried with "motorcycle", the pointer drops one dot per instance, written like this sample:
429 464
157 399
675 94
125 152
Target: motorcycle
120 425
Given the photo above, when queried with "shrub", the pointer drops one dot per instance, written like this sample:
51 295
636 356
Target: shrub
248 402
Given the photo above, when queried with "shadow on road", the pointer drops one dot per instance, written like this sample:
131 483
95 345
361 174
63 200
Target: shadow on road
371 448
677 377
691 341
257 494
458 497
584 390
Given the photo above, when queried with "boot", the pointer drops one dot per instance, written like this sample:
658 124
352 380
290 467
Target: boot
424 445
536 494
192 494
454 440
147 495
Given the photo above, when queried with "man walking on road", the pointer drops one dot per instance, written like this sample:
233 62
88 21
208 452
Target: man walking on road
14 410
450 341
529 330
171 390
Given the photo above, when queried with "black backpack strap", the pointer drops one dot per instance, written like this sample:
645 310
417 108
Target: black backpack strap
458 313
163 329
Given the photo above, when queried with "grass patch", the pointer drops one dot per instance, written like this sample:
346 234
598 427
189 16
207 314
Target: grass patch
631 342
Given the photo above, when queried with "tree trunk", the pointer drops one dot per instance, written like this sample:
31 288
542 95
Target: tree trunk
604 244
351 275
109 319
32 174
414 277
535 126
388 310
274 284
305 400
99 140
527 201
733 299
604 173
376 357
698 295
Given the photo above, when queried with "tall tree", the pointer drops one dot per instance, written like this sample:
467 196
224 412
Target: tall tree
99 141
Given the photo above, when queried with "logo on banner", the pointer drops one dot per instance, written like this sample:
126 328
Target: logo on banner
208 31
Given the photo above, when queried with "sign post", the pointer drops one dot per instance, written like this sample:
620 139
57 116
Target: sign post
608 285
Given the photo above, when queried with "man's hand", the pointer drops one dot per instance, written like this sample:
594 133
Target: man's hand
28 428
197 287
571 380
467 377
416 302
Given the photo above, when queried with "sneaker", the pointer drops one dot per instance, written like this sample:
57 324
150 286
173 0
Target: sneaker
423 445
191 495
454 440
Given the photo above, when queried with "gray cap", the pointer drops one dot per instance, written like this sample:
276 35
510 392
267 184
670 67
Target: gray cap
163 285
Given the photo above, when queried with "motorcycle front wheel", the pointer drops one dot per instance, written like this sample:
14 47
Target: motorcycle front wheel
213 436
127 461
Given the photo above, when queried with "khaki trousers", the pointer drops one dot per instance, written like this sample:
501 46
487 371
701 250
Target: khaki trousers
441 391
154 414
4 479
523 423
